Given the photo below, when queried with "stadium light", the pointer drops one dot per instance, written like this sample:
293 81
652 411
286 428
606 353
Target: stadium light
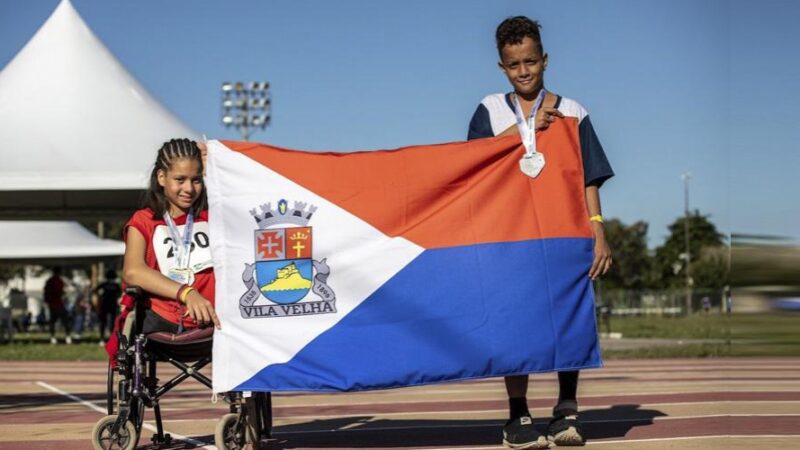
246 106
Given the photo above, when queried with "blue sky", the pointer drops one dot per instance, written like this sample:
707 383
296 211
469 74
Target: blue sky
701 86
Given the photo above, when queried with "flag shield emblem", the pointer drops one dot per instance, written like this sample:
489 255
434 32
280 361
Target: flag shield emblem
284 268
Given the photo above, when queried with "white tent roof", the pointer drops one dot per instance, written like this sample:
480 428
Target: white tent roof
36 240
72 117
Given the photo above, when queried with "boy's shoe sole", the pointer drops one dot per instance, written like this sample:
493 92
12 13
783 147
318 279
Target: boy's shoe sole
570 436
539 444
521 434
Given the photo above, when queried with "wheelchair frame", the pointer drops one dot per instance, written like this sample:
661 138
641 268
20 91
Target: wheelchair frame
133 385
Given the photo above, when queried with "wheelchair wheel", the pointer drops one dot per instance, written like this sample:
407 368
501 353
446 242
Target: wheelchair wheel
101 435
230 433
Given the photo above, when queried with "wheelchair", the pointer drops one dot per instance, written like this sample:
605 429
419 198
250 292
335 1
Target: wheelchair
133 385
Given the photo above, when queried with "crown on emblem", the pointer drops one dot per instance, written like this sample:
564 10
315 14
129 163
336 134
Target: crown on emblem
300 214
299 236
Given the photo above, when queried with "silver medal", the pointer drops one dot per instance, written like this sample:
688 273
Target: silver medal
532 165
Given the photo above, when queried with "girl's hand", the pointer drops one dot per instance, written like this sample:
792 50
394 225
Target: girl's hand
203 155
201 310
545 116
602 253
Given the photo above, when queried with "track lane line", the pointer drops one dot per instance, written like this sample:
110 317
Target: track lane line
497 422
684 438
633 441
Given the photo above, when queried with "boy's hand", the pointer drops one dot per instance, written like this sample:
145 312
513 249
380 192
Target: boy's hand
201 310
545 116
602 252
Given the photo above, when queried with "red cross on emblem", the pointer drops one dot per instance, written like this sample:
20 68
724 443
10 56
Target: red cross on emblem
269 245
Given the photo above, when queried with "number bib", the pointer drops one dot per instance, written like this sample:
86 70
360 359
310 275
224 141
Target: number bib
200 255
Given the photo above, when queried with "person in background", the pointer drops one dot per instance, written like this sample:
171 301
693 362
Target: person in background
80 308
54 298
109 293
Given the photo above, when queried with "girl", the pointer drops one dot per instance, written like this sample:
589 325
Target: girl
167 245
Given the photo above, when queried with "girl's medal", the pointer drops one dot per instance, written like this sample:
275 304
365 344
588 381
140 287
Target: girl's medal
532 163
181 275
181 272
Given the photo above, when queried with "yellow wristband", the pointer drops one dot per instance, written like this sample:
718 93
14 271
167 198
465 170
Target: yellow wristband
596 218
185 294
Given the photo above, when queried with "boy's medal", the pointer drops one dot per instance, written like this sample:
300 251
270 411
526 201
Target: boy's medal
533 162
181 272
531 165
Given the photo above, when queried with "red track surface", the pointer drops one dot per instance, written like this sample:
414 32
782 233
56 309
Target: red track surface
653 404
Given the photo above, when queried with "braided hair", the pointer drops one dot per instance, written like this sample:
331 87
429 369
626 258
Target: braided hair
170 152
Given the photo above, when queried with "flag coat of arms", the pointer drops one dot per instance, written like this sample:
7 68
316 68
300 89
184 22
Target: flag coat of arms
390 268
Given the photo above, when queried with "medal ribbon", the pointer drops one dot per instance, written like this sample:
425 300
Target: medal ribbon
182 247
527 129
187 239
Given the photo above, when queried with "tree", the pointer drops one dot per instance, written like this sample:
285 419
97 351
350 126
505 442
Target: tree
629 249
9 271
711 269
670 265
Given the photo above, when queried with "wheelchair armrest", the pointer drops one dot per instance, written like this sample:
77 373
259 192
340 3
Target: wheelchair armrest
140 298
136 293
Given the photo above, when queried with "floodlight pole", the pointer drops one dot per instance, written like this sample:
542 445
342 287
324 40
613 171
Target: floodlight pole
246 106
686 177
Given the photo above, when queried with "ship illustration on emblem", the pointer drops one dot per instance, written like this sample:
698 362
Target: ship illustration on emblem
284 271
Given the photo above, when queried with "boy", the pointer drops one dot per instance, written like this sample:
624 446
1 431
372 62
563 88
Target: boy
523 61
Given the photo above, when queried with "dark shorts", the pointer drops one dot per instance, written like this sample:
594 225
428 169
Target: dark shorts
57 313
154 323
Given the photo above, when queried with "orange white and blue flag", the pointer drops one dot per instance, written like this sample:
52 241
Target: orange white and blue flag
369 270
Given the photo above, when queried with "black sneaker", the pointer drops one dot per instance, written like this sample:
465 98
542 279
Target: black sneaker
521 434
565 431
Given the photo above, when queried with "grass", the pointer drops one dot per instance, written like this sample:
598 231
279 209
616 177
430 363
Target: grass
737 335
677 351
740 334
37 347
694 327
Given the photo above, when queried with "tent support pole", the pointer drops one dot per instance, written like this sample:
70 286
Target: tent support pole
97 268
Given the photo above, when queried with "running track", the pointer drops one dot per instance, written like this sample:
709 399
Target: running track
638 404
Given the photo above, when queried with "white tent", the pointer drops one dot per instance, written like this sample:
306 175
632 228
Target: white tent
78 132
45 241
